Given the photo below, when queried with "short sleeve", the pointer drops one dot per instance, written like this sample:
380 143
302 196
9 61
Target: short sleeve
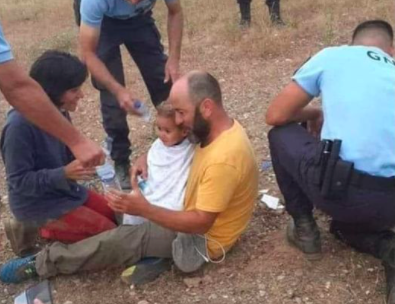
92 12
217 188
309 76
5 50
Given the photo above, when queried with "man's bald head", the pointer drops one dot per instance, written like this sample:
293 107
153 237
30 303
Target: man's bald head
203 85
377 33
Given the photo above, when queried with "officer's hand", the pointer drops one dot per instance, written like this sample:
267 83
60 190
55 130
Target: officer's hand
172 70
126 101
314 126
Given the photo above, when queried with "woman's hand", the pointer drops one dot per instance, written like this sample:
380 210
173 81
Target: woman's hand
76 171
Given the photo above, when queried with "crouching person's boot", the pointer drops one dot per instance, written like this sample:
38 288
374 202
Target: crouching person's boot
303 233
22 237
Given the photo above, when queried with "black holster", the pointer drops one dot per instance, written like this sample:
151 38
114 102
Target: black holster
334 174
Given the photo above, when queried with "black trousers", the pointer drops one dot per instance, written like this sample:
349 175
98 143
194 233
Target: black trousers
142 41
363 218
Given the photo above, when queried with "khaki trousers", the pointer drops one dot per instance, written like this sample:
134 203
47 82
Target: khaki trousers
122 246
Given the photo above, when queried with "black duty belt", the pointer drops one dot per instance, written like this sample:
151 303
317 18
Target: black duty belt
366 181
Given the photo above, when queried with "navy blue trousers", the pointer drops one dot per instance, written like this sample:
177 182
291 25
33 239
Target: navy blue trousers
143 42
363 218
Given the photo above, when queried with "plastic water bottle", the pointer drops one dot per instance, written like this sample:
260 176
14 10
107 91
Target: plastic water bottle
142 109
142 183
106 172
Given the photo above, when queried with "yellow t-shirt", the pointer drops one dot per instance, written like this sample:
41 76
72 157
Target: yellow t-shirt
224 179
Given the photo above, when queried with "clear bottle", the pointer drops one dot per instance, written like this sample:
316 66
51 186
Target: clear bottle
141 108
106 172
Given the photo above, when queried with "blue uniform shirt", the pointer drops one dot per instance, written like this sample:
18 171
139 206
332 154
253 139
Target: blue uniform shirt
5 50
93 11
357 86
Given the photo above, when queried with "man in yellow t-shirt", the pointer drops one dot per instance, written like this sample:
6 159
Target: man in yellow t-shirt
219 200
223 180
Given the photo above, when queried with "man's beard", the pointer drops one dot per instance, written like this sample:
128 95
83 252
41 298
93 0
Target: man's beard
200 129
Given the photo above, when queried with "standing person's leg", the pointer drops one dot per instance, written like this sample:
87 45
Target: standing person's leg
245 12
274 11
148 53
293 151
114 117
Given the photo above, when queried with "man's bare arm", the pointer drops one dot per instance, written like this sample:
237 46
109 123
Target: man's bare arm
89 39
175 25
196 221
27 96
291 105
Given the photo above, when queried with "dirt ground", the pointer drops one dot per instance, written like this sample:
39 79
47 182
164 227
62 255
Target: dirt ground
251 66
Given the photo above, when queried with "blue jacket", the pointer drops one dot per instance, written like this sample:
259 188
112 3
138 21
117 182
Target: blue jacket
34 160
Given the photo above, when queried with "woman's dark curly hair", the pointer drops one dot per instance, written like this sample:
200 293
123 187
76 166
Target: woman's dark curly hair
58 72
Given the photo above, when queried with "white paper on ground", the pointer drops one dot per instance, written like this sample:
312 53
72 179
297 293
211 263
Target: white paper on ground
272 202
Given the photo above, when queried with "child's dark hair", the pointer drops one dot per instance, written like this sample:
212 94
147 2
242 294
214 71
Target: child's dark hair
58 72
165 109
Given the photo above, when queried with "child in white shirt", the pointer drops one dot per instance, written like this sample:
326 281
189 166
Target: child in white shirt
168 160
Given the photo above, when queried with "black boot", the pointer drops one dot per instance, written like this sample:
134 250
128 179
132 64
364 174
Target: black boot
390 283
274 12
245 12
303 233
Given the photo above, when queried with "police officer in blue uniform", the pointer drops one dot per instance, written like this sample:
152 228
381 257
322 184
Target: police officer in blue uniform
245 12
105 26
350 172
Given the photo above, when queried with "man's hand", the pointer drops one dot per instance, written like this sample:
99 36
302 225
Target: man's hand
172 70
127 101
140 167
76 171
133 203
88 152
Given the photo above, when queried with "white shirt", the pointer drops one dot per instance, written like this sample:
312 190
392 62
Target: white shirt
168 170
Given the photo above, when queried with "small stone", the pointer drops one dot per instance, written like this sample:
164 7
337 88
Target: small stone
192 282
262 293
262 286
298 300
328 285
68 302
299 273
213 296
280 277
143 302
207 279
